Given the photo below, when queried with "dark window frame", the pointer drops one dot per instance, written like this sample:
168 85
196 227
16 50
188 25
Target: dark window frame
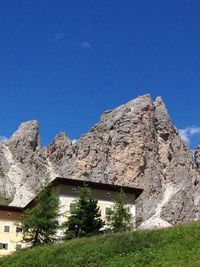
6 227
3 246
108 211
19 229
72 206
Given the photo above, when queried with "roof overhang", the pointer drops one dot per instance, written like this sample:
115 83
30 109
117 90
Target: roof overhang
79 182
111 187
11 208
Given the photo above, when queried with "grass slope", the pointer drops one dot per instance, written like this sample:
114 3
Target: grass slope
178 246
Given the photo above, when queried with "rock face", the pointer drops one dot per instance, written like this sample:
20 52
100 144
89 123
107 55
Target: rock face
135 144
25 163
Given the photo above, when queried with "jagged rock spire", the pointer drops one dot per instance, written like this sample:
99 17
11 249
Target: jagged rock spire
25 140
134 144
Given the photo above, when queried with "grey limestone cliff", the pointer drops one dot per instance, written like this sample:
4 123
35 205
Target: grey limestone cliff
135 144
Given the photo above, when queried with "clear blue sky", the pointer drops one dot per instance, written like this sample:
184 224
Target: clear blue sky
65 62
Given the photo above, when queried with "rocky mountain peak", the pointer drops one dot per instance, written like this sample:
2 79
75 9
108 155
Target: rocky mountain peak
25 140
161 112
57 150
62 138
197 156
135 144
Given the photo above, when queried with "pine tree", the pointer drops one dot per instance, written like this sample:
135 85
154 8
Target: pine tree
120 217
85 218
40 223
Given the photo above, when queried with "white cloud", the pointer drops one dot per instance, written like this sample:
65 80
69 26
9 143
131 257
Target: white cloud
195 130
74 141
187 133
3 139
85 45
184 134
59 35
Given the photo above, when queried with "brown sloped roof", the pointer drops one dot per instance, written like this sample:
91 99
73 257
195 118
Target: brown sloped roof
91 184
77 182
11 208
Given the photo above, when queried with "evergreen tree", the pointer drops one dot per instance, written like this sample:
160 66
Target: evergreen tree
85 218
40 222
120 217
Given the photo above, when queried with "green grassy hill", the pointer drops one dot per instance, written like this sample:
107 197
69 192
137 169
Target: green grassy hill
178 246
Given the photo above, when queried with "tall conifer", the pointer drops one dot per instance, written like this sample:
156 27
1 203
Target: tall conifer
40 223
120 217
85 218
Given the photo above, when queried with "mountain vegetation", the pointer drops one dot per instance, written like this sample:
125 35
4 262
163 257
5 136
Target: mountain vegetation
4 201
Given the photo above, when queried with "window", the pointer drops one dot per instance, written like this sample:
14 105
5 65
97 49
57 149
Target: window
108 211
108 194
6 228
72 207
73 190
18 246
4 246
18 229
